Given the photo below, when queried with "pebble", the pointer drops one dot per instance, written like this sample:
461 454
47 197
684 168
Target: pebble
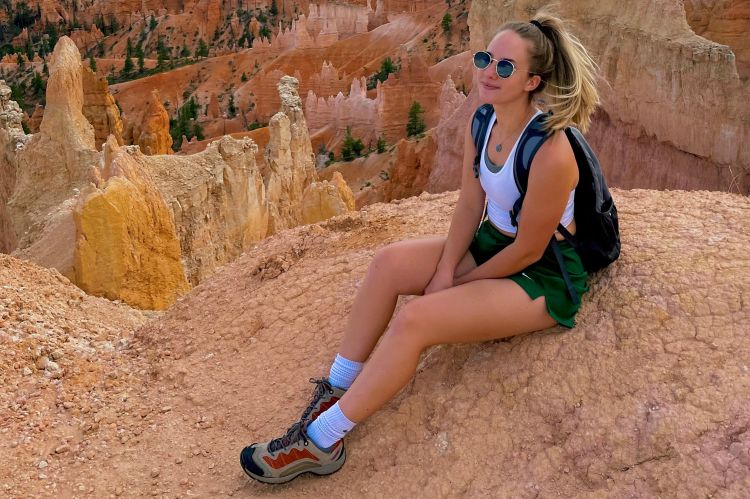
154 473
178 460
26 371
62 448
42 464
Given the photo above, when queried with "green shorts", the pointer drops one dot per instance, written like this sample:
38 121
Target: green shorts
542 278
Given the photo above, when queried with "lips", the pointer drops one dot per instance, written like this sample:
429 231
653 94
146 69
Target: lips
488 86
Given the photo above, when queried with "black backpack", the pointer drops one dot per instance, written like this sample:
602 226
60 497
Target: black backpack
597 238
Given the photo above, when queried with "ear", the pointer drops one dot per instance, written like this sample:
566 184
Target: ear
532 83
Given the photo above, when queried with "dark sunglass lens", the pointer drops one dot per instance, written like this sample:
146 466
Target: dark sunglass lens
482 60
504 68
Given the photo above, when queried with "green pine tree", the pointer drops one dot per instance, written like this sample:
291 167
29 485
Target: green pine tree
202 50
37 85
447 20
381 145
416 124
231 108
127 68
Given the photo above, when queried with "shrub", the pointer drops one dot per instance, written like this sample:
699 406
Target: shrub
381 145
415 125
447 20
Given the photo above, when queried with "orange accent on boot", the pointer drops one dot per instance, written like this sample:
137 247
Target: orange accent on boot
292 456
324 408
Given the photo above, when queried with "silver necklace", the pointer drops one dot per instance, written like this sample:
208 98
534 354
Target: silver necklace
499 145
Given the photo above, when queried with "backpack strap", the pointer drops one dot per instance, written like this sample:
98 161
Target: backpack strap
478 130
564 270
528 145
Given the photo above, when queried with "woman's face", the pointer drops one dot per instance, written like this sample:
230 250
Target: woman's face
496 90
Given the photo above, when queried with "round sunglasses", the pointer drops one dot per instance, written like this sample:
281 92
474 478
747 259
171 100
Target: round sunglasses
504 67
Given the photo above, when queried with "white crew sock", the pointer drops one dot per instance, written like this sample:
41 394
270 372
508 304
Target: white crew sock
344 371
329 427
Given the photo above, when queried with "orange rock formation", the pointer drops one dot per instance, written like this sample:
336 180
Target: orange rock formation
100 109
149 129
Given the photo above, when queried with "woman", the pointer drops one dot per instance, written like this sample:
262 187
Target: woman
496 282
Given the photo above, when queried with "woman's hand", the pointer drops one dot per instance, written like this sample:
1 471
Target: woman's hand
442 279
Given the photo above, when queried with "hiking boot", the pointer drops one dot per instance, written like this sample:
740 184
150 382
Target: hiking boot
285 458
323 397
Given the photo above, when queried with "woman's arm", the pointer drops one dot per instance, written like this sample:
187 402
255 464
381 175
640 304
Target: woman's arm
464 222
553 175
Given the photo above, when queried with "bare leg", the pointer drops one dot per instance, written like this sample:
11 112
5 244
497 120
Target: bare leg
402 268
476 311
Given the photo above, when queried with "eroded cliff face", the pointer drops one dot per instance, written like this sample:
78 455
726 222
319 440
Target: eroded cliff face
217 200
126 244
149 128
100 108
671 75
291 168
143 228
12 139
56 164
726 22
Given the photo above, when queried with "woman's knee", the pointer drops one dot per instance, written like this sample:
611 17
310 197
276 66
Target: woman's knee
411 323
383 263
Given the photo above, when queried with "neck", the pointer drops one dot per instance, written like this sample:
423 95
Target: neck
513 115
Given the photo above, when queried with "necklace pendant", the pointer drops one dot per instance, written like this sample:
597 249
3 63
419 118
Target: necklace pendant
499 147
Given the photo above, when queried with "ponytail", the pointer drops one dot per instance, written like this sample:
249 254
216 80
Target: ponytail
567 71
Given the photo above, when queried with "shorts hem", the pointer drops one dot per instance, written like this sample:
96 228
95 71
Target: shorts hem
534 291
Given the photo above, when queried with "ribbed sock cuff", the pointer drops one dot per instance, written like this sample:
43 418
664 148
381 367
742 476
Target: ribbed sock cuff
344 372
329 427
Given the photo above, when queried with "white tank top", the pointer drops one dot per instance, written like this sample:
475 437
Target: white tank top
501 189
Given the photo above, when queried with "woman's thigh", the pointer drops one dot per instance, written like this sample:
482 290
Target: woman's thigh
409 265
480 310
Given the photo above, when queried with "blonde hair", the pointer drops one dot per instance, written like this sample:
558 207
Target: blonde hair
567 71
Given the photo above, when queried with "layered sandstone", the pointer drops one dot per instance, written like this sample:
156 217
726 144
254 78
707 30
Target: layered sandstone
100 108
65 141
127 246
36 118
87 40
12 139
137 227
324 199
640 131
388 113
413 161
291 168
149 128
217 200
726 22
